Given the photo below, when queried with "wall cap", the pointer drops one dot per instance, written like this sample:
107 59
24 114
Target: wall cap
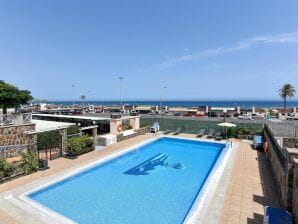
292 151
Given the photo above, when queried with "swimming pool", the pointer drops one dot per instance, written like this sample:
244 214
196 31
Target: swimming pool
157 182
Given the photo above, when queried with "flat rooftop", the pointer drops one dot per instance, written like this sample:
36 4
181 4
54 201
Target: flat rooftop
43 126
73 117
82 117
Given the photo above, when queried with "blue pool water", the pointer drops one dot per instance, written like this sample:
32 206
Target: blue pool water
156 183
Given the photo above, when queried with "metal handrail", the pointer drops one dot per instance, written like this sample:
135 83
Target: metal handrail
283 129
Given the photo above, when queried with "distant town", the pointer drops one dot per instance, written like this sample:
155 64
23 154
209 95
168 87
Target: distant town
253 113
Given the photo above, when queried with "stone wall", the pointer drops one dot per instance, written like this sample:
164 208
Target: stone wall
295 192
291 155
278 167
15 139
284 163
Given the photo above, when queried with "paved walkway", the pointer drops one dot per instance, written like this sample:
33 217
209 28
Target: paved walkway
251 187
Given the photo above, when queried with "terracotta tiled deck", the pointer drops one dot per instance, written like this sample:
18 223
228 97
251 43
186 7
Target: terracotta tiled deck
250 186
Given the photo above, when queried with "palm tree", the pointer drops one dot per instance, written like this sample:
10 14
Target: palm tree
287 90
83 97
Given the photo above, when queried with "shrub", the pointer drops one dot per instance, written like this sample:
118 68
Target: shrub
27 165
73 145
245 131
5 169
77 145
29 162
126 127
73 131
260 131
232 132
86 141
145 124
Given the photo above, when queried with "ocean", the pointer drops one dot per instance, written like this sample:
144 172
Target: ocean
180 103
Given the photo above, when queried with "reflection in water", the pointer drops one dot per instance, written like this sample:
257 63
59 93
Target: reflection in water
157 162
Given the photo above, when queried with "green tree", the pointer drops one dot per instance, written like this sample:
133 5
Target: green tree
287 90
12 97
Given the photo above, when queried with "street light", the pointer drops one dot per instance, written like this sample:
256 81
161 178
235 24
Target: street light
73 86
83 97
120 79
160 97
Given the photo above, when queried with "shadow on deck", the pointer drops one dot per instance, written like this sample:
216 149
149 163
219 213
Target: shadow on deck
270 195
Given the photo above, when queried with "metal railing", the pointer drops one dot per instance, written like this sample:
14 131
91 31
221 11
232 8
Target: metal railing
192 124
286 129
274 146
6 119
27 118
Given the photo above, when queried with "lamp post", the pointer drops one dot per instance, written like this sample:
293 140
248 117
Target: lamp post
120 79
225 114
83 97
160 97
226 129
73 86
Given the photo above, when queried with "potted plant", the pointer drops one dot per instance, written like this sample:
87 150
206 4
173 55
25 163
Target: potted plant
43 163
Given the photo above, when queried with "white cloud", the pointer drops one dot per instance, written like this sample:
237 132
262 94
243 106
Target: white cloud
241 45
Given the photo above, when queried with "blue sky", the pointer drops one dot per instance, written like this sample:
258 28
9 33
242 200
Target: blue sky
199 49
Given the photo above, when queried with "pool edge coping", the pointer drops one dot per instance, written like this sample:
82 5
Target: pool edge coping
23 200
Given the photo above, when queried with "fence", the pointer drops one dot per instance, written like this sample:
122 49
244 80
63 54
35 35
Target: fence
274 146
192 124
285 129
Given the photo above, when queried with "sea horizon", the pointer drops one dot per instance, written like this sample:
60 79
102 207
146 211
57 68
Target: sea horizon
186 103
